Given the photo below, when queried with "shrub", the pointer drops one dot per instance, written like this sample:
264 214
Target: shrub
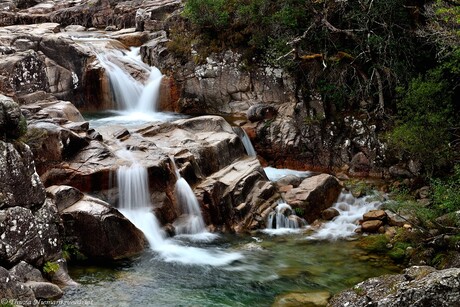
207 14
50 267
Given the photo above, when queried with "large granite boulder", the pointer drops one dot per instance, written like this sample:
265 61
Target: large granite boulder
238 196
99 231
418 286
31 236
19 183
12 123
25 284
314 195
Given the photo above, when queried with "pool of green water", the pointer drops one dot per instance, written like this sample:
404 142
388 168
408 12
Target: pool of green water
271 266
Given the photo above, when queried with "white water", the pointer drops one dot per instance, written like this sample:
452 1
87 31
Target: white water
135 205
191 221
283 220
275 174
246 141
129 94
134 202
351 210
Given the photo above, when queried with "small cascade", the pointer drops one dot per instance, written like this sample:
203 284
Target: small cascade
283 217
134 202
351 210
246 141
191 221
130 94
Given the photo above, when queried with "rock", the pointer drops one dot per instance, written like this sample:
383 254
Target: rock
400 171
371 226
240 182
395 219
19 183
61 276
64 196
307 299
12 123
94 227
12 289
424 287
360 164
44 290
292 180
329 214
314 195
375 215
29 237
23 272
260 112
52 144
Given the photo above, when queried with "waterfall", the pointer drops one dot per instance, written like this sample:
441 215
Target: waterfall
135 205
134 202
351 210
246 141
129 94
191 221
283 217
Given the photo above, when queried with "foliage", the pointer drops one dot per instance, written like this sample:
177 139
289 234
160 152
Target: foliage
50 267
425 130
7 304
445 199
207 14
446 193
72 252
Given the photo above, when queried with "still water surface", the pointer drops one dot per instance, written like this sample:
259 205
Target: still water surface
269 266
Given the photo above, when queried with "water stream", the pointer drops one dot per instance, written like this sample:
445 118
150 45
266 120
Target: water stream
271 266
191 220
196 268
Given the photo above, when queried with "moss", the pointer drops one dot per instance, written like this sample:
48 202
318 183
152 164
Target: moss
375 243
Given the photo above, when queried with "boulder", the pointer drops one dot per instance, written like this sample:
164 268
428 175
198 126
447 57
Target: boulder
375 215
223 192
12 123
371 226
314 195
23 272
33 237
306 299
14 290
19 183
419 286
64 196
100 231
329 214
44 290
260 112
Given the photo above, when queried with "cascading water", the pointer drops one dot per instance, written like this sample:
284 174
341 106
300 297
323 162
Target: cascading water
246 141
129 94
283 220
351 210
191 221
134 202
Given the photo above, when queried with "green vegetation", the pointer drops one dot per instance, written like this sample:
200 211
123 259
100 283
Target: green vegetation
50 267
395 63
7 304
71 252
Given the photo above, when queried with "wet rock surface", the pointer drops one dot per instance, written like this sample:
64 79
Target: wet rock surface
419 286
